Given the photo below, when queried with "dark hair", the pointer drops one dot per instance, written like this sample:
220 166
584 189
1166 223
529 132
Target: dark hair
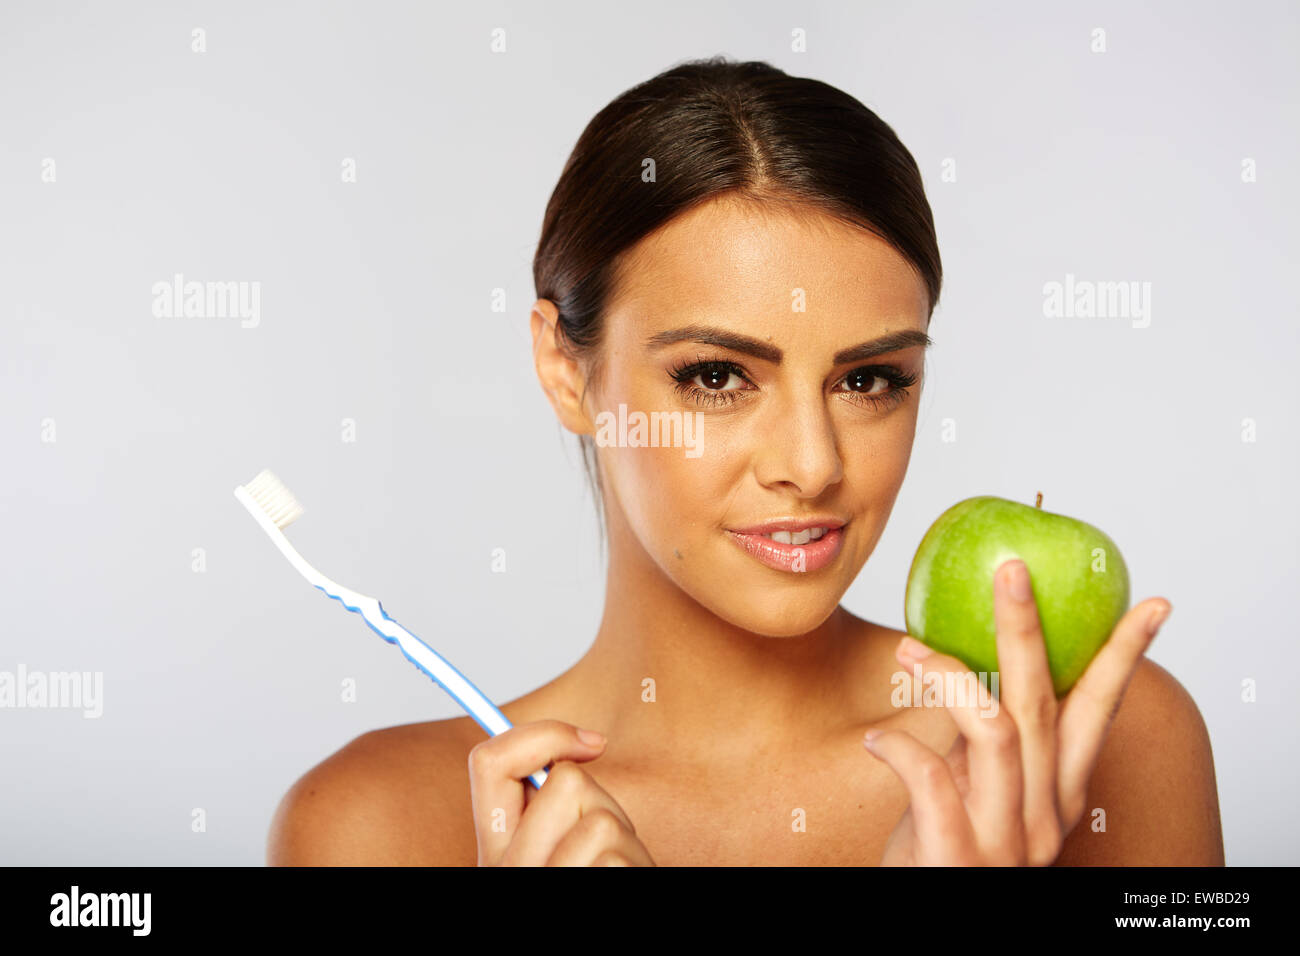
716 127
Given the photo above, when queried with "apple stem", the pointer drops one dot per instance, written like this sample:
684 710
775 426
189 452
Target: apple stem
1039 502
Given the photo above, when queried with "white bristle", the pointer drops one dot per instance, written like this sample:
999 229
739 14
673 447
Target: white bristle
276 501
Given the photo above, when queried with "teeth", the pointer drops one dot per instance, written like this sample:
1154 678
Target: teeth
796 537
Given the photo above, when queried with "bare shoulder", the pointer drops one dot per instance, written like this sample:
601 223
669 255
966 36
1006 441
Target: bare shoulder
1153 799
875 641
392 797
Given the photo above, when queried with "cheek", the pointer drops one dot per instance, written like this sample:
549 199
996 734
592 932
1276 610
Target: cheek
878 455
875 465
669 495
666 495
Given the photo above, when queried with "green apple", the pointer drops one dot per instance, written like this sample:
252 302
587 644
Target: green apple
1078 576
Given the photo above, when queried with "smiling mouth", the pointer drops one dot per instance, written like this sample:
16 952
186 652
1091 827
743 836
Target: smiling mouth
798 546
797 537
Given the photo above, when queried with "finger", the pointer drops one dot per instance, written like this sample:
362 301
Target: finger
959 762
568 795
1091 705
497 770
994 797
597 832
1028 696
938 816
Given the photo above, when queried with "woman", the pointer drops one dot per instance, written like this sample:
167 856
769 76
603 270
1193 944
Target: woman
751 256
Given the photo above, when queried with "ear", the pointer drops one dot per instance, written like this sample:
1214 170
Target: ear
559 372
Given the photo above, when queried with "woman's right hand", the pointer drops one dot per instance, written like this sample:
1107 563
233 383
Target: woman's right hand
570 821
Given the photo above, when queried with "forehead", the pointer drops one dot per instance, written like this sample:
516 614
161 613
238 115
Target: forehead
749 263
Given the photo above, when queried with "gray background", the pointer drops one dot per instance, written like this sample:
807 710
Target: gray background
221 687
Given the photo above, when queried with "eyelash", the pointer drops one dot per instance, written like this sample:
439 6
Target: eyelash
899 382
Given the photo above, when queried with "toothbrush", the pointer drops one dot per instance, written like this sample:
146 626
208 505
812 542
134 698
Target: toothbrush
275 508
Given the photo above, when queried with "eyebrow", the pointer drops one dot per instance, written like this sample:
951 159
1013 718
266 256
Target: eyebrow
709 335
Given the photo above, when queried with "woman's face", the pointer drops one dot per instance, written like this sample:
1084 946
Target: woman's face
762 329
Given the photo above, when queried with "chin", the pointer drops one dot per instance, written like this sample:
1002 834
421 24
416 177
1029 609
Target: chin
774 612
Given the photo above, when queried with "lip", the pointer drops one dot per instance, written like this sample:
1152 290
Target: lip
792 524
795 558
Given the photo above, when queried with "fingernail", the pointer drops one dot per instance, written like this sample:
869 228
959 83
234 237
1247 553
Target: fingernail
869 736
592 737
911 647
1018 581
1157 618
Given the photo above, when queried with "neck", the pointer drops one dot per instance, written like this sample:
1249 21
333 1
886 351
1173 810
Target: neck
718 691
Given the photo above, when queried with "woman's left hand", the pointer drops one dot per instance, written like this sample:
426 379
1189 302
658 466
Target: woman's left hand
1014 784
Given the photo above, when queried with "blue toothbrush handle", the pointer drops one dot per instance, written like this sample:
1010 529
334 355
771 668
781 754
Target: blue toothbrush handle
438 669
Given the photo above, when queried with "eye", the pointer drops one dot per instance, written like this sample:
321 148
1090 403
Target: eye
711 382
879 386
865 382
719 379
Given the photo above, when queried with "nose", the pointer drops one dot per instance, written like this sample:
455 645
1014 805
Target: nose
798 449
